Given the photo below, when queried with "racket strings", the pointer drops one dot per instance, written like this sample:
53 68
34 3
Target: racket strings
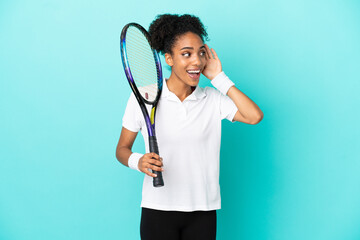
142 63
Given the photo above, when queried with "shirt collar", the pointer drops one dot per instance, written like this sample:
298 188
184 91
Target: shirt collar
198 93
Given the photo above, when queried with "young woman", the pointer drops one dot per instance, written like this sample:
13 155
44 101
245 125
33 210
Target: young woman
188 130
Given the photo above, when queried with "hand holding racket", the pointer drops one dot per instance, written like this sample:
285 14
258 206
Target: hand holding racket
143 71
150 161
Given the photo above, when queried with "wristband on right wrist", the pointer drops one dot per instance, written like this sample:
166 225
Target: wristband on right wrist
133 161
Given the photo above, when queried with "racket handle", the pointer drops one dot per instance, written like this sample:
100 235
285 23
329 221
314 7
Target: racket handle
157 181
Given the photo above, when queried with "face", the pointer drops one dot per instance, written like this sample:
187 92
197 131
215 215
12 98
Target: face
187 59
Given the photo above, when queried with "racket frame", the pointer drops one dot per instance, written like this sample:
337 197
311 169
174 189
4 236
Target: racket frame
149 118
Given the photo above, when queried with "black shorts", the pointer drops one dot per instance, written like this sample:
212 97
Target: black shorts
176 225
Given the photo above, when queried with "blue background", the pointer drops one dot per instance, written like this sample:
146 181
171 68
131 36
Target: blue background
296 175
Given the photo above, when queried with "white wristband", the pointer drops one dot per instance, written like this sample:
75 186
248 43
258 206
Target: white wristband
133 161
222 83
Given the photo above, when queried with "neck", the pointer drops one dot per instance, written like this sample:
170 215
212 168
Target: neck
178 87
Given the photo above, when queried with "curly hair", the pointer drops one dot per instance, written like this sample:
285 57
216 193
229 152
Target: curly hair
166 28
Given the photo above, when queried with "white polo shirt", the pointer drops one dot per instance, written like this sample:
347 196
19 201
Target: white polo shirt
189 136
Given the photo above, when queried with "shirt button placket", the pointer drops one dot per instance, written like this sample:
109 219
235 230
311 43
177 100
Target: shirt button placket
183 111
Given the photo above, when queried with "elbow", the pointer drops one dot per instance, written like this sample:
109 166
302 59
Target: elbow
257 119
118 153
122 154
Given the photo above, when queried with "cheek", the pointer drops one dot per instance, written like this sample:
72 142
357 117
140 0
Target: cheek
180 65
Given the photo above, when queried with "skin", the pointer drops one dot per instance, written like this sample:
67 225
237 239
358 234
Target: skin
188 53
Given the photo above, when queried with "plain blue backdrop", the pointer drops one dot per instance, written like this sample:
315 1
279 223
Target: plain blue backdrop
296 175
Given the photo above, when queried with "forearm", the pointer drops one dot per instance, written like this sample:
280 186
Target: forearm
128 158
248 111
123 154
246 107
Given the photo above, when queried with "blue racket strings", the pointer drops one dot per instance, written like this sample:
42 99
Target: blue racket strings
142 63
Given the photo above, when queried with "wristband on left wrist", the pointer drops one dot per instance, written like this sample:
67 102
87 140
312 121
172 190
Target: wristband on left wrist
222 83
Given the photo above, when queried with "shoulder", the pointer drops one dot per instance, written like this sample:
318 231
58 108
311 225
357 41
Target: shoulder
132 104
211 92
132 99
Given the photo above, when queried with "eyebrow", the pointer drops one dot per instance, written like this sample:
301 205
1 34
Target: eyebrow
203 46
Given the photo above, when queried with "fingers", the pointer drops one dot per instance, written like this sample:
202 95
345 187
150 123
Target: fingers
155 162
207 50
150 161
147 172
153 155
155 168
153 158
210 54
214 53
150 173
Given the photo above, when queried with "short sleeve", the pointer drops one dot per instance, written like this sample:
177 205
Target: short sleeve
228 108
132 116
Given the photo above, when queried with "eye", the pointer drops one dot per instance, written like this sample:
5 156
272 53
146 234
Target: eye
186 54
202 53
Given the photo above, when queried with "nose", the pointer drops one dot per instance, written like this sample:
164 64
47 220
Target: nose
196 60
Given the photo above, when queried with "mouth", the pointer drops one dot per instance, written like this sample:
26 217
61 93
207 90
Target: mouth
194 73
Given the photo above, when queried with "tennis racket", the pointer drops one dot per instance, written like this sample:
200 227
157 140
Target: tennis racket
143 71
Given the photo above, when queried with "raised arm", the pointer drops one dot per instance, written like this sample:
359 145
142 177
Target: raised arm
248 112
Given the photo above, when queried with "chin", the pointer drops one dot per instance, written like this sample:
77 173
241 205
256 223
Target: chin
193 83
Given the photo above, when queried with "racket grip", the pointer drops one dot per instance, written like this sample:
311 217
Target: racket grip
157 181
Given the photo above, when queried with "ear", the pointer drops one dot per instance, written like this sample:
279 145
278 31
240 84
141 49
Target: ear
168 59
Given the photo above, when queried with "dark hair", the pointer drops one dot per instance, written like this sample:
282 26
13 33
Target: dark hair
166 28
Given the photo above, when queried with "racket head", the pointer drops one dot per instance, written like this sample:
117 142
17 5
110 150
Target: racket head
141 63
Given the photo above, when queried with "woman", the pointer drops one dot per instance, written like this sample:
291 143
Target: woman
188 133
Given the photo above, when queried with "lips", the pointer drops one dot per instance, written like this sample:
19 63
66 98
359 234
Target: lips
194 73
